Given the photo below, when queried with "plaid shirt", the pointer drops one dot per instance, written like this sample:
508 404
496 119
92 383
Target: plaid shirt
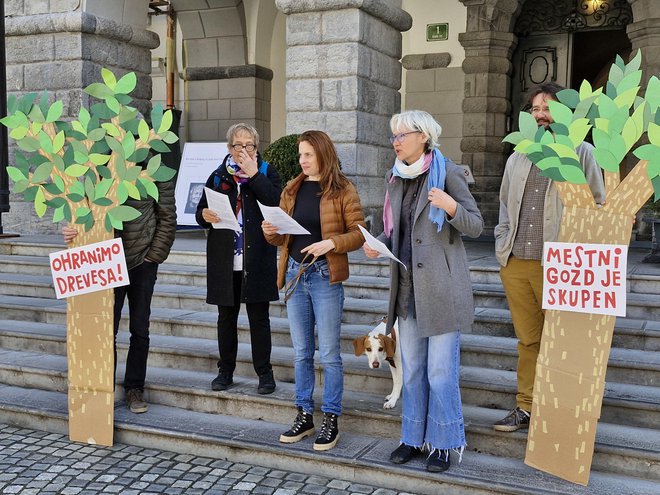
528 244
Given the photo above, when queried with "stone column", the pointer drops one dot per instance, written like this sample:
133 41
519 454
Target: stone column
57 47
343 77
644 35
488 48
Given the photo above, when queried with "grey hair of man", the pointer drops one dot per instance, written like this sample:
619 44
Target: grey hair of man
242 127
418 120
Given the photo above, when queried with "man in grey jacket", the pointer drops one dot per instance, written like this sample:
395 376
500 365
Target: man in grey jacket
530 214
147 242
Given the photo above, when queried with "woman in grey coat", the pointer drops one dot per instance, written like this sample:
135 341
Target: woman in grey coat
427 207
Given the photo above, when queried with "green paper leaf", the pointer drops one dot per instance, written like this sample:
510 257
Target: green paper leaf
89 188
143 131
526 123
150 188
45 142
634 64
41 173
616 74
166 123
553 174
626 99
20 186
19 133
113 104
82 211
84 117
656 188
122 193
40 203
654 133
132 173
606 160
578 130
57 180
585 90
159 146
96 134
51 188
514 138
116 224
55 111
111 129
75 198
101 111
104 172
124 213
169 137
163 174
139 156
98 159
102 187
156 116
58 162
569 97
153 164
115 146
128 144
99 90
549 162
559 129
76 170
58 142
103 202
574 175
126 84
132 190
16 174
109 78
644 152
560 112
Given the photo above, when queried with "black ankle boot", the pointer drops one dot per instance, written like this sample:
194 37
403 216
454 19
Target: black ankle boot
438 461
329 435
303 426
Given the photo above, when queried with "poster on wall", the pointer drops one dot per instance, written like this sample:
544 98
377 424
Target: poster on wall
197 163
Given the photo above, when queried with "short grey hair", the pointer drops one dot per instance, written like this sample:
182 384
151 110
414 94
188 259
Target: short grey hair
236 128
418 120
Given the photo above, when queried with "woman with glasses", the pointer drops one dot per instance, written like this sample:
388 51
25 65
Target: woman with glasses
324 202
241 266
428 206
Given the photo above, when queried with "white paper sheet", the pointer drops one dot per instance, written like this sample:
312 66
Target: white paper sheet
219 203
285 224
375 244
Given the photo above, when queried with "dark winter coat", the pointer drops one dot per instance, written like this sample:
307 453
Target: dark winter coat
259 257
150 235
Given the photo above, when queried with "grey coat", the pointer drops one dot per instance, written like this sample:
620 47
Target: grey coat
441 277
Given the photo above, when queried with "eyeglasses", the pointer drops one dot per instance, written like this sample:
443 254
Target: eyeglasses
400 138
248 147
539 110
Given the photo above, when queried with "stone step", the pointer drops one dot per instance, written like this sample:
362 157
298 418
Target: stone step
483 386
357 458
623 450
629 332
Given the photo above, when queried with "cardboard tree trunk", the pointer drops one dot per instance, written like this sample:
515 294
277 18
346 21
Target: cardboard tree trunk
85 170
575 347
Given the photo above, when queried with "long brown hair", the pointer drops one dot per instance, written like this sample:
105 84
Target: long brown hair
332 181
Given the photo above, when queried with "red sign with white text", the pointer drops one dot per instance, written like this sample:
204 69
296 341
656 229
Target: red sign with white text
89 268
585 278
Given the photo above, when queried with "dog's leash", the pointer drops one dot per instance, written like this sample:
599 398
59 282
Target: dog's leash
291 285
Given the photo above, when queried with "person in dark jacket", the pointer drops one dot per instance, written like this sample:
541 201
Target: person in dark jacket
147 242
241 266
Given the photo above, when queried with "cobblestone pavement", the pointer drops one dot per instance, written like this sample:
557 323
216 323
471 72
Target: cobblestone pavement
38 462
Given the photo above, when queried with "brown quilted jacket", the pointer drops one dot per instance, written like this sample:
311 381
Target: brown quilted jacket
340 218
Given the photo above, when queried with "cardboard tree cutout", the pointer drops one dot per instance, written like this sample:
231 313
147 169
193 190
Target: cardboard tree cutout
570 371
85 170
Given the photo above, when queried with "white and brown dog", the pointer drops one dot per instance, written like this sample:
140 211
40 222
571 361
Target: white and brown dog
380 348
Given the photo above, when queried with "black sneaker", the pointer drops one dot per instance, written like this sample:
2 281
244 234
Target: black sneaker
515 420
223 381
329 433
303 426
266 383
135 401
438 461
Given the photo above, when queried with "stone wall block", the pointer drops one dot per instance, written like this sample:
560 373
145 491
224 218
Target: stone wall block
14 7
191 25
303 95
108 28
204 130
68 46
217 109
27 49
197 110
14 77
380 36
297 122
64 5
304 29
222 22
36 7
231 50
340 93
133 60
240 87
53 75
341 59
203 90
346 152
303 61
382 68
420 81
477 144
73 100
201 52
101 50
436 103
342 126
244 108
373 97
341 26
372 129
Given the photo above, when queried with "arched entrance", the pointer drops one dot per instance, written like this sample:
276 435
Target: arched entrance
566 42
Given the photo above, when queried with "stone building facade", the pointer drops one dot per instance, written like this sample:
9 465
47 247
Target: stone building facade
343 66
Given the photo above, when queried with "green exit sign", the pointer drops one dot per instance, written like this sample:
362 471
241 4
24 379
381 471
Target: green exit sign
437 32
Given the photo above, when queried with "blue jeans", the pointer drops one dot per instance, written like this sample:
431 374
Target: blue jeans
315 301
432 414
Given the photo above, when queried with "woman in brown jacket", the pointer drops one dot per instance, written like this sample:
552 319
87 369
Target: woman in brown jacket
325 202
